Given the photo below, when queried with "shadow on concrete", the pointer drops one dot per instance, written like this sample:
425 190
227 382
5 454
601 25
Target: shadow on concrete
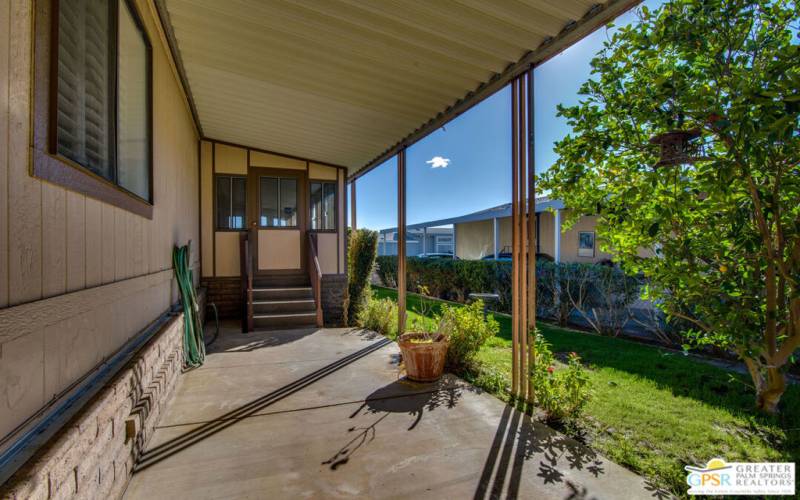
402 396
208 429
235 341
519 439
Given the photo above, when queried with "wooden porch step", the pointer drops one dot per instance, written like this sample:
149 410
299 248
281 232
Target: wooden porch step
284 320
281 280
282 293
284 306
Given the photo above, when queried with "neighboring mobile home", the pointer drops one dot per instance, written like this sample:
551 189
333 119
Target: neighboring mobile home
487 234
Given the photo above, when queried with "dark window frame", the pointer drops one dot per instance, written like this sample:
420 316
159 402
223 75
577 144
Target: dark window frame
217 227
47 164
335 205
594 244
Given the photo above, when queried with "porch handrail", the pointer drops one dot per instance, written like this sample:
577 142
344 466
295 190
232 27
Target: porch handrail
246 240
315 275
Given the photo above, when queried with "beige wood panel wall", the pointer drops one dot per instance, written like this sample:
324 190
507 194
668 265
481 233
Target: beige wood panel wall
474 239
277 249
95 274
326 243
220 252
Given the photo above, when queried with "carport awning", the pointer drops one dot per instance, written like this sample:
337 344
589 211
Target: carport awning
343 81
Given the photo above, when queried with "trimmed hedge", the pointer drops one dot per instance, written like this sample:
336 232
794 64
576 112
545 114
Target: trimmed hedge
360 262
598 294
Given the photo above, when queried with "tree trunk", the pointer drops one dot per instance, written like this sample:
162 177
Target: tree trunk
769 393
769 389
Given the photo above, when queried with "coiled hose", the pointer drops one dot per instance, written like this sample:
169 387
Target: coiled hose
193 347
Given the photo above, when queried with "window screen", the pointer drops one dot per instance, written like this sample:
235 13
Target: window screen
85 82
231 195
133 149
323 206
277 202
102 115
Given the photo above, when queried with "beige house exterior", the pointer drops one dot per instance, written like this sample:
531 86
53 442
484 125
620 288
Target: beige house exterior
475 240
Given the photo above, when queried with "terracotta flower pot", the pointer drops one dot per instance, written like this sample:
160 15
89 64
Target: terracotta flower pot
424 361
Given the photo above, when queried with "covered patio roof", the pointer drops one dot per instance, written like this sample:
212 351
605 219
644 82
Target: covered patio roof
348 82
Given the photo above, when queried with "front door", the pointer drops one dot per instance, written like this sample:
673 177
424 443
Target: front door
278 218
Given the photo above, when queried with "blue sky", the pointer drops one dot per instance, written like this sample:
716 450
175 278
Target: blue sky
478 147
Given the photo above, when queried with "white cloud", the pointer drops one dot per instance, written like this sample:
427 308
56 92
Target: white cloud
438 162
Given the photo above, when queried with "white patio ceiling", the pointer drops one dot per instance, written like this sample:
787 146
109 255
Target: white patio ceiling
342 81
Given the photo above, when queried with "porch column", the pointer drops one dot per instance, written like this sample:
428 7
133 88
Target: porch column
557 235
353 205
523 250
401 241
496 238
533 242
424 240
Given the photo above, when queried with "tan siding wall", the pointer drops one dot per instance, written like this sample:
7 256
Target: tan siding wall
569 242
221 248
80 277
327 252
5 122
227 253
230 160
547 245
321 172
474 239
207 208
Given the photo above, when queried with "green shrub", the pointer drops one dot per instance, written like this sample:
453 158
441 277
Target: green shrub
561 393
360 264
386 268
379 315
468 330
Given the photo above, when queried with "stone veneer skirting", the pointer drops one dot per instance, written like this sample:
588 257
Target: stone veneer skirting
94 454
334 298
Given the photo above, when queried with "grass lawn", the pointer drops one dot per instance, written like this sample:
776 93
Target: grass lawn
655 410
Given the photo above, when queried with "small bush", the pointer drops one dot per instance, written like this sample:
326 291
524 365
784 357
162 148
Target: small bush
467 330
361 262
379 315
561 393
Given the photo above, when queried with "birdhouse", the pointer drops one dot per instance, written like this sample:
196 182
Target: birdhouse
676 147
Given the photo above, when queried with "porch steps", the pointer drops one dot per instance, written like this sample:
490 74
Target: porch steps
283 301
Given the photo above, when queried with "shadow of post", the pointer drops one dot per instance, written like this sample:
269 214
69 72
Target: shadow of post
521 439
208 429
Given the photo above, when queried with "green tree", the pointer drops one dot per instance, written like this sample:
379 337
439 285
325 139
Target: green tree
725 227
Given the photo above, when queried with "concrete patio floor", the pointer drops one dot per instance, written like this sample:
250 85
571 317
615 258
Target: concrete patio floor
322 413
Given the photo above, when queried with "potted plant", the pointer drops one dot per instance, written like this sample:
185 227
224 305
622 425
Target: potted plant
424 348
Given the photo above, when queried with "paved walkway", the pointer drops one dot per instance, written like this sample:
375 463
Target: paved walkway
322 414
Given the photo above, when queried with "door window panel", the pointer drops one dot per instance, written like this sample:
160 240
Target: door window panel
278 202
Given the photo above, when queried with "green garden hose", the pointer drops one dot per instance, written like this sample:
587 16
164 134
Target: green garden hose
193 347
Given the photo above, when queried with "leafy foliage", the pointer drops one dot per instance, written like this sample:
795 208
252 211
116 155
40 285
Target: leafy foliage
601 295
726 227
379 315
561 393
360 264
467 331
